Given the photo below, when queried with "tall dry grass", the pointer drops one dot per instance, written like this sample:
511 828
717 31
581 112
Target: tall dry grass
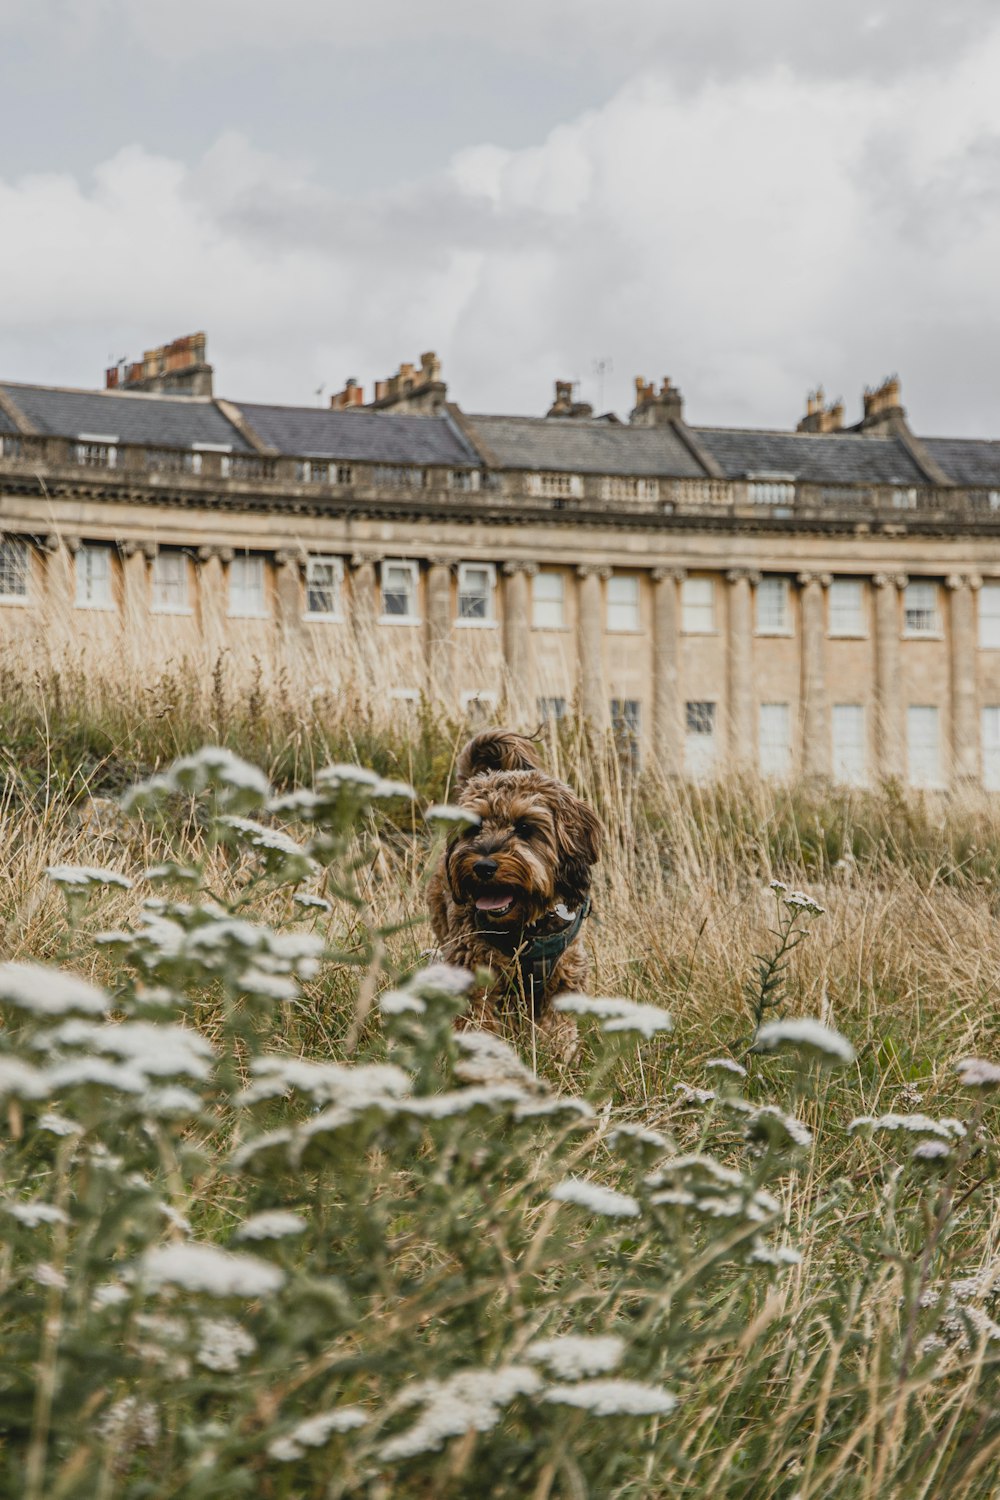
815 1387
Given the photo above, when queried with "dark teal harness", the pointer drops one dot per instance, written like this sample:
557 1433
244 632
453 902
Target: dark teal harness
536 956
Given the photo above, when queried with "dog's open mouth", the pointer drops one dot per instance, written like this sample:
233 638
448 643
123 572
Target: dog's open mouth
496 902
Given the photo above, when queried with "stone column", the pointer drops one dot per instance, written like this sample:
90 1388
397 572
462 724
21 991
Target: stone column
890 755
290 606
364 608
742 739
136 558
964 717
668 698
60 582
518 687
213 598
590 643
817 756
439 640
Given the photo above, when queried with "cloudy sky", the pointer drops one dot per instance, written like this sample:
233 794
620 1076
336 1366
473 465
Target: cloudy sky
751 196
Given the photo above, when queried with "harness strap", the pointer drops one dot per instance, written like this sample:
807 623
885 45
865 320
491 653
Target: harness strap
538 957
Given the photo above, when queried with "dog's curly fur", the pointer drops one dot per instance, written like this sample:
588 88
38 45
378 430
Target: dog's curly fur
541 842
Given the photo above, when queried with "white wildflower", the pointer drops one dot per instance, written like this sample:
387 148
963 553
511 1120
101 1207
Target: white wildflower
572 1356
204 1268
726 1065
691 1095
977 1073
110 1294
254 981
175 1218
448 815
262 837
316 1431
170 870
598 1199
50 992
639 1140
47 1275
324 1083
262 1152
237 783
157 1050
307 899
55 1124
484 1058
172 1102
774 1255
811 1038
401 1002
439 979
82 876
613 1398
222 1344
35 1212
469 1399
945 1129
765 1122
565 1108
800 901
617 1015
19 1080
777 885
494 1097
275 1224
130 1423
95 1072
931 1150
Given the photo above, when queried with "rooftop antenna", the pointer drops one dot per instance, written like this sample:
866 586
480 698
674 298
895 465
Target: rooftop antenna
318 393
603 366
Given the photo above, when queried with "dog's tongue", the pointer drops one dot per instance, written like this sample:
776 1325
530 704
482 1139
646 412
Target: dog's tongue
491 903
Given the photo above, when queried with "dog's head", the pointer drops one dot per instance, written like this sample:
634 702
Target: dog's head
535 841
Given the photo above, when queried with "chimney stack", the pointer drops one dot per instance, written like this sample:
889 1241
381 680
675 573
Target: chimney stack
417 390
819 417
352 395
883 408
655 408
565 406
179 369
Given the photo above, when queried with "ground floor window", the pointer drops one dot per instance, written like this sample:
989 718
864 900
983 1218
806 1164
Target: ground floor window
849 758
774 743
700 738
923 749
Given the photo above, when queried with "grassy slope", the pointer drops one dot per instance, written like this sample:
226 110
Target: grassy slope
905 962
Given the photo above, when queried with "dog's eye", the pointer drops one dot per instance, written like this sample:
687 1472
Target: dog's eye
523 829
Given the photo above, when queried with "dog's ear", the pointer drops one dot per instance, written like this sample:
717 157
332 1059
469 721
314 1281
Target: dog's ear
495 750
579 835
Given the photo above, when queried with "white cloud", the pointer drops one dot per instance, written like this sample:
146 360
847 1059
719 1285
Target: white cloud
747 238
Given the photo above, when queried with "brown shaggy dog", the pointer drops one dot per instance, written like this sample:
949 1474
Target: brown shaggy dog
511 892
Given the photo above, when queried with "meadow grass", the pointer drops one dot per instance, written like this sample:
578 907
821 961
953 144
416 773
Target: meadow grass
863 1365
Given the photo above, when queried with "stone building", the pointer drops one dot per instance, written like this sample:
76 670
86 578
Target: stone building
823 601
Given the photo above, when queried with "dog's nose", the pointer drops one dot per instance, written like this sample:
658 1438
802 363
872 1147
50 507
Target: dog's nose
484 869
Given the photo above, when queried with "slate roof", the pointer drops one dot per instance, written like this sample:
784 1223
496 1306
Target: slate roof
379 437
817 458
577 445
6 425
167 421
972 461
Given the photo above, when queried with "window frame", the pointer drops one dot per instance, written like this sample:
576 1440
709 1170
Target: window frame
412 568
778 586
687 605
161 606
489 620
989 591
990 746
933 632
19 548
857 776
859 630
86 599
937 783
336 563
634 605
701 740
765 748
548 573
244 559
